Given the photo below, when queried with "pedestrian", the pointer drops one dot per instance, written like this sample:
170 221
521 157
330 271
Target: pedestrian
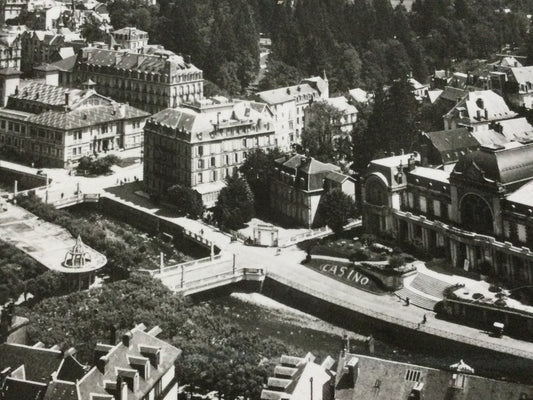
202 232
424 319
407 301
62 195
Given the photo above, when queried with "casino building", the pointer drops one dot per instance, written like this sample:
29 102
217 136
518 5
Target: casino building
478 214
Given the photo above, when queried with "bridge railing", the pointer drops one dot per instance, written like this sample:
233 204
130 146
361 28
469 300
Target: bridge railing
401 322
206 261
221 278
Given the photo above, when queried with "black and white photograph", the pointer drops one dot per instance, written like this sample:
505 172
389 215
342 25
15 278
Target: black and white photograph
266 199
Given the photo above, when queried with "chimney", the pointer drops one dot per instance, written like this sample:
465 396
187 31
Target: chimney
486 114
101 364
123 390
126 339
4 374
112 335
69 352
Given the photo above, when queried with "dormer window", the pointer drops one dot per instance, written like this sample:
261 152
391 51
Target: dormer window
458 381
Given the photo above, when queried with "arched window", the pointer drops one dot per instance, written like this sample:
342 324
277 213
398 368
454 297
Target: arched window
476 214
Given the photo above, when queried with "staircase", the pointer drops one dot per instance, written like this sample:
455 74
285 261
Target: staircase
424 285
416 299
429 285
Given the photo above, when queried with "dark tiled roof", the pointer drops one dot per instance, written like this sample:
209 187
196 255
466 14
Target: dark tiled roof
134 61
450 143
85 117
15 389
39 363
61 391
47 94
65 65
505 166
71 370
310 173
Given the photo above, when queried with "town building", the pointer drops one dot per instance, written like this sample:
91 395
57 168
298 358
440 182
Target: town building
140 366
298 185
288 105
298 378
442 149
520 87
44 47
476 214
10 47
359 96
201 144
54 126
130 38
361 377
151 79
419 90
11 9
348 113
476 110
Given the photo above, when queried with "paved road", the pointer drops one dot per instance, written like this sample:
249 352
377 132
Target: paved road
287 265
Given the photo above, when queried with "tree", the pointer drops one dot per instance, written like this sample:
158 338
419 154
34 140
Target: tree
335 209
258 169
187 200
93 30
279 74
235 204
321 130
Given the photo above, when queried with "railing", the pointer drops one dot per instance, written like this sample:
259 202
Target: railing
481 239
162 272
398 321
221 278
314 233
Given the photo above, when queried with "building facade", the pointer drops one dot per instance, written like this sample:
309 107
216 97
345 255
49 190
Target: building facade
40 47
298 185
130 38
198 146
55 127
140 366
288 105
152 79
477 215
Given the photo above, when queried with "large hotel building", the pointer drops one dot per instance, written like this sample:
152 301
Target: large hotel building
202 143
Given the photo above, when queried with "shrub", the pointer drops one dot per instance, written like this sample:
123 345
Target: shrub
360 255
396 261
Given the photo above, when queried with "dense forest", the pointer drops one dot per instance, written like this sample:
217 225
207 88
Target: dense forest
364 43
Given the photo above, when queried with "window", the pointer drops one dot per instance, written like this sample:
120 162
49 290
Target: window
214 176
436 208
458 381
200 150
412 375
200 178
200 163
423 204
521 230
411 200
213 161
236 157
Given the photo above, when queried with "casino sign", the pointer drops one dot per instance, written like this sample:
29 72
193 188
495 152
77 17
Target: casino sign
346 273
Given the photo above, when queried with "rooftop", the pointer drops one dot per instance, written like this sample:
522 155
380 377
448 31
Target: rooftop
399 381
431 173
